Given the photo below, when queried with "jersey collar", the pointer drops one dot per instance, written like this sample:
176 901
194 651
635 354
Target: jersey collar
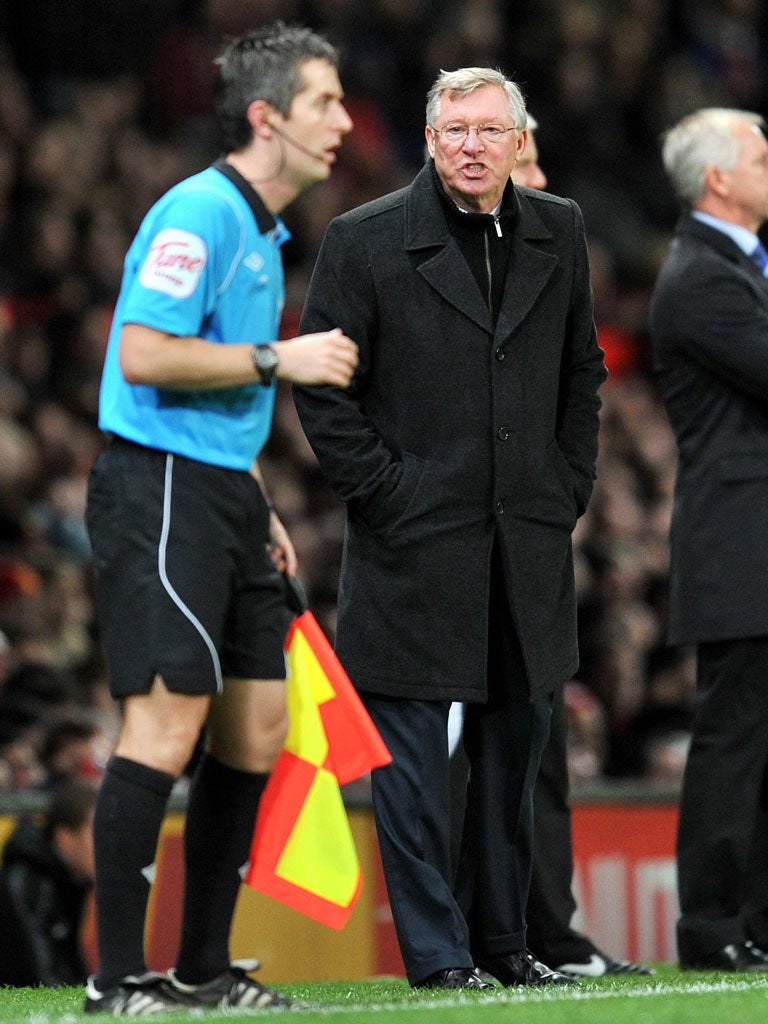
264 219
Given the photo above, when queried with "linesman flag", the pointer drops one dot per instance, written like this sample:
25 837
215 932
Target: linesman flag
303 852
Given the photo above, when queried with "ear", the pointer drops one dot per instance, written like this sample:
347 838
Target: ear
260 115
429 135
716 181
521 143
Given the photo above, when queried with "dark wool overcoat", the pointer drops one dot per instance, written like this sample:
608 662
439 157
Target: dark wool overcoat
709 325
454 433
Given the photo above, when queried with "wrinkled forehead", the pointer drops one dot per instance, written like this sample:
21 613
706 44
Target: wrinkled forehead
485 103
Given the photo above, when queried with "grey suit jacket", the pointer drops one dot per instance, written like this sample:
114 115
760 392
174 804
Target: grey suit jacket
709 326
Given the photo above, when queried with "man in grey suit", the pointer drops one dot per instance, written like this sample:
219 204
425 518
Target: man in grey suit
464 451
709 324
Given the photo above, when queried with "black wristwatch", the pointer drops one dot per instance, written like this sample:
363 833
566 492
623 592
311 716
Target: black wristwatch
264 363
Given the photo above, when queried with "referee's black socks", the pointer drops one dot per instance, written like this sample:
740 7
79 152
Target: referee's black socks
221 812
129 814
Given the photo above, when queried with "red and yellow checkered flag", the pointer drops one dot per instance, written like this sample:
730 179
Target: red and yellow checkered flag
303 853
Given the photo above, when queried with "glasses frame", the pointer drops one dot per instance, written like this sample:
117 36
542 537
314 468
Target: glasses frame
477 128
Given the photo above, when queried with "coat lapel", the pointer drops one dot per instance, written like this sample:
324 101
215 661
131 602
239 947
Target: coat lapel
446 270
530 267
444 267
449 275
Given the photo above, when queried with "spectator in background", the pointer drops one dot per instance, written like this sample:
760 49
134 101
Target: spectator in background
22 769
585 740
551 904
527 171
709 323
75 747
45 879
622 548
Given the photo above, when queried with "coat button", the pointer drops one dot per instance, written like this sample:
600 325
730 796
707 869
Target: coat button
503 433
500 354
500 507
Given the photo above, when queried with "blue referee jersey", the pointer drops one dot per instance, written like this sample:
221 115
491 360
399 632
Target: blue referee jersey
205 262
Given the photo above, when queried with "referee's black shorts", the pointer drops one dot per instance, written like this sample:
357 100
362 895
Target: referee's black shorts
185 587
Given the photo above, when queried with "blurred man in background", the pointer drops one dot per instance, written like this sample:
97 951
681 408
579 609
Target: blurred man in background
45 880
527 171
709 326
551 904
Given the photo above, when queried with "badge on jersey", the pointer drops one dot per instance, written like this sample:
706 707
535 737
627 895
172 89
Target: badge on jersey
174 263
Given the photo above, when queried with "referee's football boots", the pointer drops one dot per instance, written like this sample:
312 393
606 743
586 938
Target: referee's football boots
234 988
135 996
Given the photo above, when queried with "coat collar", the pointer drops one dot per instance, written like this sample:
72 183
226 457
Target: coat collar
723 244
445 268
690 227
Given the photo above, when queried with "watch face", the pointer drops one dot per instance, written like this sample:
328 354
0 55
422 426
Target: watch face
266 361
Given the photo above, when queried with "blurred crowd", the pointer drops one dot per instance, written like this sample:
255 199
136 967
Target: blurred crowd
105 103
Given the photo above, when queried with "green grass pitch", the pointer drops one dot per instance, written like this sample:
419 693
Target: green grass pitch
670 996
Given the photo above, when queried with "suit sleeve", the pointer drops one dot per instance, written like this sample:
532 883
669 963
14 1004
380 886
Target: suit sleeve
722 325
582 372
352 454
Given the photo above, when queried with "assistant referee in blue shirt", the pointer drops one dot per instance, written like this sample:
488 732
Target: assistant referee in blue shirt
187 549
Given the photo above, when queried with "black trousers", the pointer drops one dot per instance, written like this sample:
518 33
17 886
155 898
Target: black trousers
722 842
551 904
439 925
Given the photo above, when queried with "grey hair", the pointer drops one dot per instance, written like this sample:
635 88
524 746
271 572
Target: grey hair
703 139
464 81
263 64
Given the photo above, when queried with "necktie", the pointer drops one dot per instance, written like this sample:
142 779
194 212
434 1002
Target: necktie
760 256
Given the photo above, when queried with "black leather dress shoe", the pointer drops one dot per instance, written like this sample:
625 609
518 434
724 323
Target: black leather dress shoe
736 956
454 977
521 969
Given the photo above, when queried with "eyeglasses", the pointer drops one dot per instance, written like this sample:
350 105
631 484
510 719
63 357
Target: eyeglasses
456 134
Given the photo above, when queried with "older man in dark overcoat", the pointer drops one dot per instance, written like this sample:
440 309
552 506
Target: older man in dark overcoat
464 452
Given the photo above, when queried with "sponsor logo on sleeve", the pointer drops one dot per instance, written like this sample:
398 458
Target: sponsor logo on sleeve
174 263
254 262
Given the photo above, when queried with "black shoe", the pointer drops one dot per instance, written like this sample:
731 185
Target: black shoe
736 956
598 965
234 988
454 977
134 997
521 969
